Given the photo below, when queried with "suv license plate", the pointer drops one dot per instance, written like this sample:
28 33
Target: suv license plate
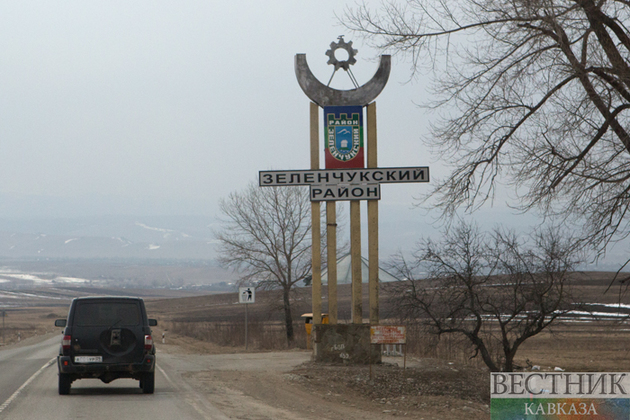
88 359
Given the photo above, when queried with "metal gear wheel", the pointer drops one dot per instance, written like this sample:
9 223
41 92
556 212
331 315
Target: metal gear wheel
344 64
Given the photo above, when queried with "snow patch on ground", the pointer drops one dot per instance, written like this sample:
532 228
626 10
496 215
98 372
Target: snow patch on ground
167 232
611 305
70 280
142 225
39 278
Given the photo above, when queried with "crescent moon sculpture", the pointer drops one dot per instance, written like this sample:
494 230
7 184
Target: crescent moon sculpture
323 95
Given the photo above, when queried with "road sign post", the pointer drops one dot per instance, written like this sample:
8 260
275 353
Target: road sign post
246 295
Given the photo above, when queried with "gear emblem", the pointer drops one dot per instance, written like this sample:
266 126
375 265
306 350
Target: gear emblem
344 64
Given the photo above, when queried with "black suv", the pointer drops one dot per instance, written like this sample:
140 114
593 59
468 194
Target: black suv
107 338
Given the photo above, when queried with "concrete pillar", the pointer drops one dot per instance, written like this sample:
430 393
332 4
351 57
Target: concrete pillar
331 243
355 253
372 209
316 283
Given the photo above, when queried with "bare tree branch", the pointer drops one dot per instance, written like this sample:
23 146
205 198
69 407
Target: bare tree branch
534 93
266 237
492 289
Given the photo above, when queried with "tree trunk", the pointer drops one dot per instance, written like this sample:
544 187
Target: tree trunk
485 354
509 361
288 319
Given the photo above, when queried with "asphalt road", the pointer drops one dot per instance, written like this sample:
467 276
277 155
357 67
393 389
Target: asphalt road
18 364
28 390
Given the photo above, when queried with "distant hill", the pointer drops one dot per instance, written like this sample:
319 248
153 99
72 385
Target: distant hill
171 237
55 282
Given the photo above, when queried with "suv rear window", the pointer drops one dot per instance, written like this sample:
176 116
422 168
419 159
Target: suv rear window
109 314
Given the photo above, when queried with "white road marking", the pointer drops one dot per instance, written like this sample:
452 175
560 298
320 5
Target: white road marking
25 384
166 376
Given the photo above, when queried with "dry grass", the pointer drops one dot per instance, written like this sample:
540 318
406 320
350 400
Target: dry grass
219 319
262 335
595 346
20 324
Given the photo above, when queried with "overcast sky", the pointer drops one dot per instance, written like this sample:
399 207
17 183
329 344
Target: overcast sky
177 101
183 101
163 107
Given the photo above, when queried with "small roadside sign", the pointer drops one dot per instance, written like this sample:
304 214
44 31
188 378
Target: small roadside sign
246 295
388 334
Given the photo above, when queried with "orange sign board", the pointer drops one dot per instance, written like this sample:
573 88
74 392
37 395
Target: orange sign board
388 334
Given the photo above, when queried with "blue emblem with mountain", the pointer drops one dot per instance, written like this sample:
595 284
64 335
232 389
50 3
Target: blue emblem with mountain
343 139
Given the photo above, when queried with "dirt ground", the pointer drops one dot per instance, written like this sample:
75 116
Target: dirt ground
292 387
429 388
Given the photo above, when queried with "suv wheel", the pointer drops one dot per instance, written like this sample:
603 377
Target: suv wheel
148 382
64 384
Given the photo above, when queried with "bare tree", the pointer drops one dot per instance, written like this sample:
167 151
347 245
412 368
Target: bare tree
533 92
490 289
266 237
